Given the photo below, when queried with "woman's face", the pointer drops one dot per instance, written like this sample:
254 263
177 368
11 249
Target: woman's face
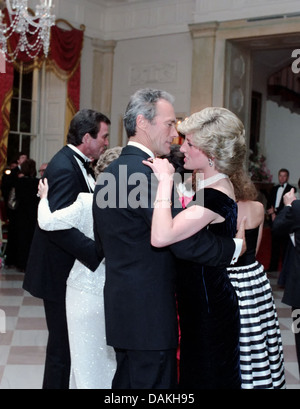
194 158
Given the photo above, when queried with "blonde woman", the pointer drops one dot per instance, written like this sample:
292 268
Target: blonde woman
262 362
208 307
92 361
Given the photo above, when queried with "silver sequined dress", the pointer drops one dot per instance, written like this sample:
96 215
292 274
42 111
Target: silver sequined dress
92 361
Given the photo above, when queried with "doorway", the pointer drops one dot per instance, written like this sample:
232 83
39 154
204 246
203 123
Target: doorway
243 54
272 121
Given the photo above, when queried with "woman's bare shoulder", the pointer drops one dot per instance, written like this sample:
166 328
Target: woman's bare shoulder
254 211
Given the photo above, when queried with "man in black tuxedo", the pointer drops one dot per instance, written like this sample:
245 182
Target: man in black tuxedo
288 221
53 254
139 293
10 175
274 206
8 184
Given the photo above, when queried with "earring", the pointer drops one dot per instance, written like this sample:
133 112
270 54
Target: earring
210 162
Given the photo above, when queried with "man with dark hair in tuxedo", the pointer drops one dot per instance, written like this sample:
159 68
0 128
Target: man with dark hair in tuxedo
53 254
288 221
274 206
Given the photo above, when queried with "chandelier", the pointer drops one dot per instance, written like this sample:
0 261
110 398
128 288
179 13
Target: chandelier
33 31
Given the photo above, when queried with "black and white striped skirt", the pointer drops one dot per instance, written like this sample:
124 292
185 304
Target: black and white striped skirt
262 363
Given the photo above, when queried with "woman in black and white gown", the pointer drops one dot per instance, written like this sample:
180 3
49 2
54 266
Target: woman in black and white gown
261 351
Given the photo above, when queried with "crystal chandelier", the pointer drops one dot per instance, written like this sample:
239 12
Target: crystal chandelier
33 30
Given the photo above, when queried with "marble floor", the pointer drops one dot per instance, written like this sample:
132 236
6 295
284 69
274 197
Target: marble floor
23 335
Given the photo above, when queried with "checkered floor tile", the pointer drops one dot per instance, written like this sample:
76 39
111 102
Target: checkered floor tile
23 335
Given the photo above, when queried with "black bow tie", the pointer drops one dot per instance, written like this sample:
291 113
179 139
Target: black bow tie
86 164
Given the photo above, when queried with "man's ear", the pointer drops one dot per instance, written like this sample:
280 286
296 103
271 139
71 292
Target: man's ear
141 122
86 138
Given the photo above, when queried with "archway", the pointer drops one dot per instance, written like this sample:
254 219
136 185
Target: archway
225 59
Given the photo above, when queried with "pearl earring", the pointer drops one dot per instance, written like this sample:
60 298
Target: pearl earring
210 162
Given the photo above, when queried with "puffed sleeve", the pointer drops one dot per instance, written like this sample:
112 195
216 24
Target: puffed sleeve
62 219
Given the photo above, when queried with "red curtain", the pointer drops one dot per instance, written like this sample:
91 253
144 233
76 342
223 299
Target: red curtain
64 59
6 85
64 56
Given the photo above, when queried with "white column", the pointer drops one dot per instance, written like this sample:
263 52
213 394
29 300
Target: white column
103 75
204 37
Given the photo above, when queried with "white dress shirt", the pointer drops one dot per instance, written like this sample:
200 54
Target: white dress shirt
88 178
142 147
279 195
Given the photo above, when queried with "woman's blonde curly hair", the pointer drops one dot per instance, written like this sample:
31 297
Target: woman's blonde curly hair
106 159
220 135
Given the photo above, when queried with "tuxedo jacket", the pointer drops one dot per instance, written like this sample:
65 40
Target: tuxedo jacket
8 182
139 292
52 254
288 221
273 194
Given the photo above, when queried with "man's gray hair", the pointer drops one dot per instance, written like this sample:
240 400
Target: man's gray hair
143 102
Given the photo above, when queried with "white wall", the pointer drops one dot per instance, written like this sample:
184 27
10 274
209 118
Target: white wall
160 17
280 130
153 43
282 141
86 74
162 62
224 10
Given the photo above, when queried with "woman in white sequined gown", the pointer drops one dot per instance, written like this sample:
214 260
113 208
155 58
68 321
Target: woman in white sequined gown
92 361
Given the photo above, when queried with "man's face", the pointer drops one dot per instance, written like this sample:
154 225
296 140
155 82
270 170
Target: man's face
22 159
283 178
96 147
42 169
162 130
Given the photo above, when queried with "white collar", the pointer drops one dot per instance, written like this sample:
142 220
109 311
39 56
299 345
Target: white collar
142 147
202 183
183 191
75 149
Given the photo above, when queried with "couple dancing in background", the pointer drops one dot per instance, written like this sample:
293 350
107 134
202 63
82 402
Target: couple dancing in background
140 307
92 361
53 254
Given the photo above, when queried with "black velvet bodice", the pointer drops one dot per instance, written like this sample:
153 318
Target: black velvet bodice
249 257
